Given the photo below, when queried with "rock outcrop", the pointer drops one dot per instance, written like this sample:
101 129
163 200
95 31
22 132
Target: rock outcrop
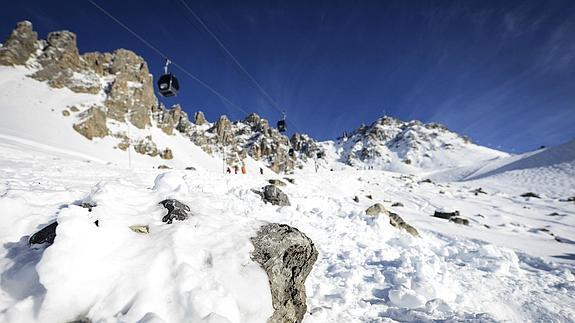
176 210
45 235
124 81
272 194
287 255
394 219
17 48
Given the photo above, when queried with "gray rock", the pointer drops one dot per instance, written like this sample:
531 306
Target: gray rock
45 235
287 255
459 220
289 179
273 195
445 215
176 210
277 182
397 204
376 209
18 47
396 221
530 194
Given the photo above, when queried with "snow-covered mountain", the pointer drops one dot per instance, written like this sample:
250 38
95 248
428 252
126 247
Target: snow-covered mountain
109 97
392 144
400 221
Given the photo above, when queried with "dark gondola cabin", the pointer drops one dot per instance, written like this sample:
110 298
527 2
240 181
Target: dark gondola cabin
168 85
291 152
282 126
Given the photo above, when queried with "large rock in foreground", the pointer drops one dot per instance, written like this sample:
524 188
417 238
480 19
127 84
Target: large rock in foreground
287 255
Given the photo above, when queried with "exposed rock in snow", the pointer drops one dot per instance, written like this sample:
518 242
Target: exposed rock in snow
45 235
276 182
459 220
273 195
376 209
444 214
396 221
530 194
392 144
176 210
17 48
287 255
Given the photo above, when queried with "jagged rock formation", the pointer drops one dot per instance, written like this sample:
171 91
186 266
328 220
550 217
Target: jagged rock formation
390 143
287 255
22 42
123 79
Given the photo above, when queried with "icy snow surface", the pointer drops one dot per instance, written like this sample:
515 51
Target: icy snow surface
199 270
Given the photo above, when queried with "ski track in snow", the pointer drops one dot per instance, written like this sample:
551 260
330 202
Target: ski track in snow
198 269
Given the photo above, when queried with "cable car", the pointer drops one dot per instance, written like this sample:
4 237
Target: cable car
291 152
168 84
282 124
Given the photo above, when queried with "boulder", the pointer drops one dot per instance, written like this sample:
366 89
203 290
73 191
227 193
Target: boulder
45 235
291 180
277 182
287 256
397 204
445 214
140 228
93 124
530 194
396 221
166 154
176 210
273 195
478 191
459 220
376 209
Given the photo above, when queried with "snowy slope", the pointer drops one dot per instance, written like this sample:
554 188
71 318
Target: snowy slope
32 111
199 269
409 147
549 171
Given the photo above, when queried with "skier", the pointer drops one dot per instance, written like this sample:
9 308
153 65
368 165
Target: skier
229 171
236 169
261 171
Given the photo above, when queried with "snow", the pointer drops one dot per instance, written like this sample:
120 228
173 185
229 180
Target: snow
514 262
199 270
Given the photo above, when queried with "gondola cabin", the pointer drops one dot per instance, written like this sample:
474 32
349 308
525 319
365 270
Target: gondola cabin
282 126
291 152
168 85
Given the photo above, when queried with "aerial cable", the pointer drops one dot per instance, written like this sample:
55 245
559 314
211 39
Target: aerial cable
195 78
241 67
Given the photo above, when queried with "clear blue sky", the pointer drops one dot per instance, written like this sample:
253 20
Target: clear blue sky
502 72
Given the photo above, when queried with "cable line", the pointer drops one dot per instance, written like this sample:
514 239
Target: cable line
195 78
225 49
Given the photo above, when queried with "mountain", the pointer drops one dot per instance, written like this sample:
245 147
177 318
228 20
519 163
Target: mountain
109 97
392 144
440 229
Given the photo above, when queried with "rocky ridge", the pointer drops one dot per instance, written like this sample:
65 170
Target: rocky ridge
124 82
389 142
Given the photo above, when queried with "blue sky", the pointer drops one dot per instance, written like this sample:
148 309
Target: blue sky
502 72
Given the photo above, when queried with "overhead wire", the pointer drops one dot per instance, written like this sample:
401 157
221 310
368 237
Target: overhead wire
241 67
191 75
